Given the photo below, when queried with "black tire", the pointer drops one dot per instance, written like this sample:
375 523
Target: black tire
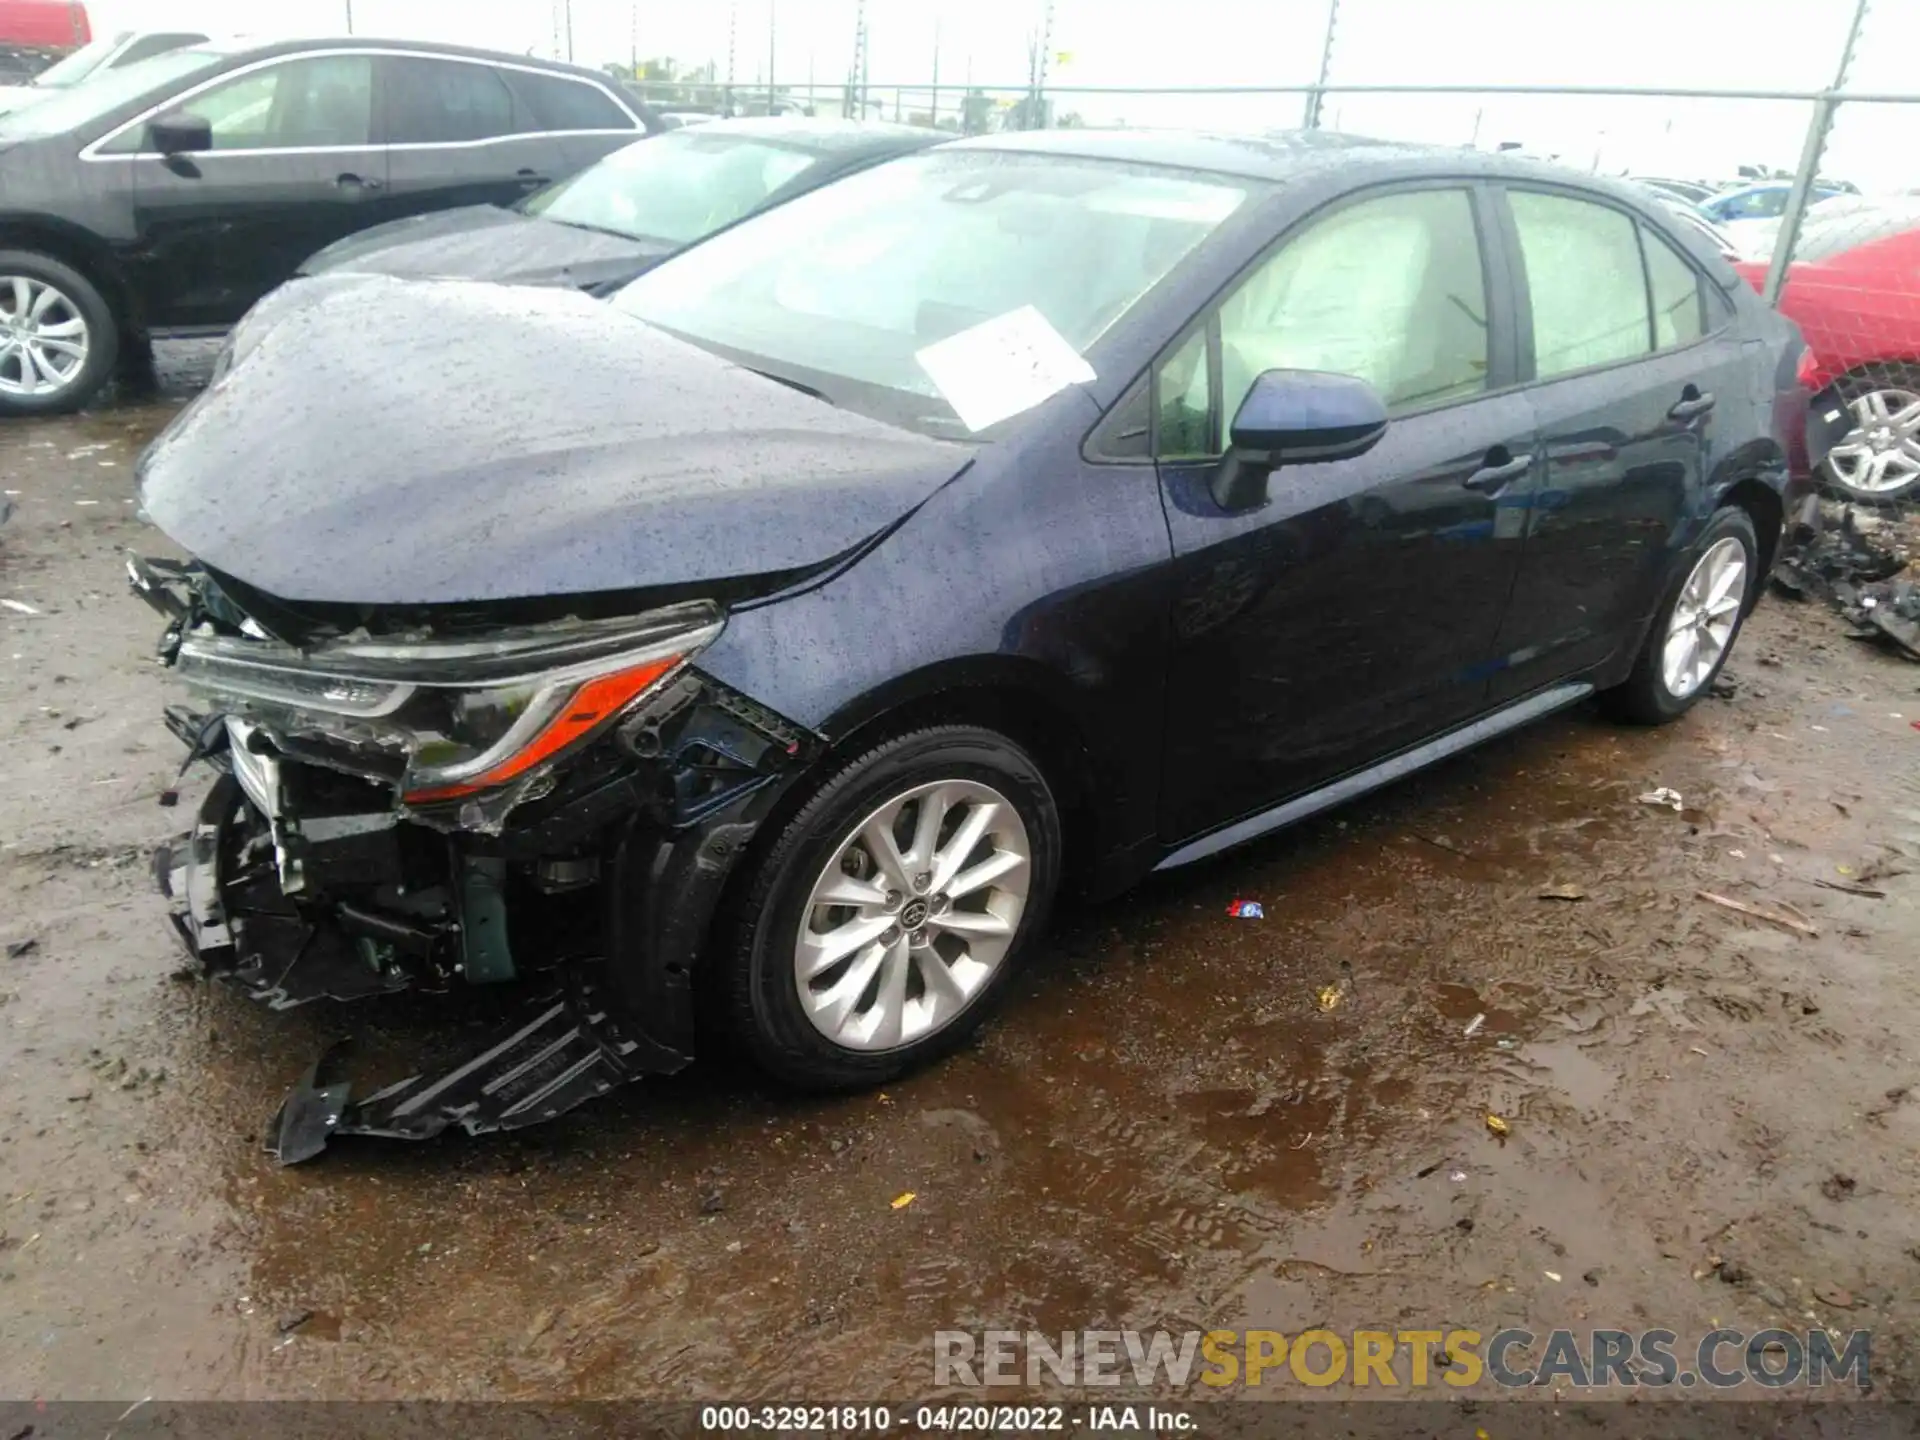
1891 375
103 336
763 1009
1644 698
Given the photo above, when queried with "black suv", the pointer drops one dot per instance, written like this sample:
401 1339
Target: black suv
164 198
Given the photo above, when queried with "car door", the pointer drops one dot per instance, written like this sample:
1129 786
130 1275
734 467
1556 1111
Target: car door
293 167
1628 355
1356 611
457 135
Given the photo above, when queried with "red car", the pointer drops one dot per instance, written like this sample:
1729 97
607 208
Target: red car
1854 291
57 25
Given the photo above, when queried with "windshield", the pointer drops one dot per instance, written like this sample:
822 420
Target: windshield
79 65
80 105
857 279
677 187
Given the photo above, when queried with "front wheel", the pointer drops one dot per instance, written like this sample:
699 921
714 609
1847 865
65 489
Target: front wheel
58 340
885 921
1696 627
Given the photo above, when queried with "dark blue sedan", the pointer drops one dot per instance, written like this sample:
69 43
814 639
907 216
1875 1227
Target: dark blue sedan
1035 510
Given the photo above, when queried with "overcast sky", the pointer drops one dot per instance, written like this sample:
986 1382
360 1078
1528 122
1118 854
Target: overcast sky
1746 44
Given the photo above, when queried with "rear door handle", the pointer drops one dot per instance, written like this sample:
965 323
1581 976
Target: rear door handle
350 181
1490 478
530 179
1690 404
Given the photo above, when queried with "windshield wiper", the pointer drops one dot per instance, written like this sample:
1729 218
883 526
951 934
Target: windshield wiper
789 383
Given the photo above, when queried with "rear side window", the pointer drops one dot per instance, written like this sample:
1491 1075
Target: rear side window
432 102
552 102
1588 293
1678 312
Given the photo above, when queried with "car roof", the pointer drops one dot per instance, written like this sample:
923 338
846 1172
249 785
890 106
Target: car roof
253 45
826 136
1282 155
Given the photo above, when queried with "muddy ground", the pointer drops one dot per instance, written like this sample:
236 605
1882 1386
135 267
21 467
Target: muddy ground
1170 1126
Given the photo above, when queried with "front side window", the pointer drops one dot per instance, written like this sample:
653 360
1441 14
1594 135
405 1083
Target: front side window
553 102
677 188
1391 291
1587 292
854 280
434 102
324 101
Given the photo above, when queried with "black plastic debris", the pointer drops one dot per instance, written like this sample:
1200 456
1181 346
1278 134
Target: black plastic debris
566 1049
1860 567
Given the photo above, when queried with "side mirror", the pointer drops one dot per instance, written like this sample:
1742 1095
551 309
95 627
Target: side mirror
180 134
1295 417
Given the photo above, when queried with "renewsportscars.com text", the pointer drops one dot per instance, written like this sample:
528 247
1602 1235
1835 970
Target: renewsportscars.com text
1457 1358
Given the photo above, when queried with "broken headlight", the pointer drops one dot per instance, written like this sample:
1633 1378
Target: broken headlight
464 716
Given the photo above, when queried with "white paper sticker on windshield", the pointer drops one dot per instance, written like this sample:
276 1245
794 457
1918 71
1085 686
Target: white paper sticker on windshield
1002 366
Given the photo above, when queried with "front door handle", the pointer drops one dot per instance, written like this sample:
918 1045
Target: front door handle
350 181
530 179
1690 404
1496 473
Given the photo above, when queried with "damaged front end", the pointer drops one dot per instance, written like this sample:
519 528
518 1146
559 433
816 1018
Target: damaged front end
416 803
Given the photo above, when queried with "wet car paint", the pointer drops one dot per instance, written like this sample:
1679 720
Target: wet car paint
1041 584
488 242
654 465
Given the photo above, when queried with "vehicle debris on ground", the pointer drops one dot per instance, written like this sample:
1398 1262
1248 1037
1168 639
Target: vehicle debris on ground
1861 563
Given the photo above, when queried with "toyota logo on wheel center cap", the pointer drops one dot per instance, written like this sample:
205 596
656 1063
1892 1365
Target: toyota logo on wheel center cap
915 915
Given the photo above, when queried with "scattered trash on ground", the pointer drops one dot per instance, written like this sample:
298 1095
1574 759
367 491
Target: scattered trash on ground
1777 914
1327 997
1666 1002
19 607
1246 910
713 1203
1553 1275
292 1322
1458 1177
1847 887
17 948
1473 1026
1663 796
1834 1295
1838 1186
900 1202
1498 1126
1563 892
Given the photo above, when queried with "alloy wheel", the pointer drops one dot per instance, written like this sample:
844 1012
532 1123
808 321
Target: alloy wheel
913 915
43 337
1704 617
1881 453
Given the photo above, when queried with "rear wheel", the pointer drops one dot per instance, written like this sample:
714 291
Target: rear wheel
1877 462
1696 627
58 340
885 921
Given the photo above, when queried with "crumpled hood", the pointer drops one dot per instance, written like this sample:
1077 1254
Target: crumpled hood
392 442
485 242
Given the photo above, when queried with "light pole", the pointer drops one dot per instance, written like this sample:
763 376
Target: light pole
349 17
773 33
